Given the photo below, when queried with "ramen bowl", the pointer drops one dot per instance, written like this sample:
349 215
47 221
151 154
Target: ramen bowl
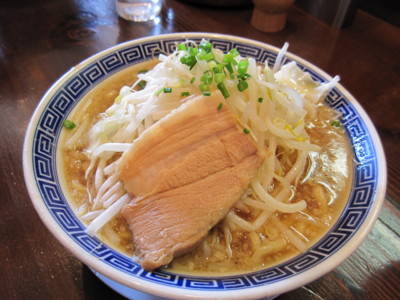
43 180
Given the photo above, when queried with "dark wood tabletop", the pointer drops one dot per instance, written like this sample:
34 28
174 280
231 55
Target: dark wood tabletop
40 40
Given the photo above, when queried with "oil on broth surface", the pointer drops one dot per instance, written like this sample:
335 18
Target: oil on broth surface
325 188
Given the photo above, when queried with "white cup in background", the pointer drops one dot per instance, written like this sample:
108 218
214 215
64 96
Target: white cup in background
138 10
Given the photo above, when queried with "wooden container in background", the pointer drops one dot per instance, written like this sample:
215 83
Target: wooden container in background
270 15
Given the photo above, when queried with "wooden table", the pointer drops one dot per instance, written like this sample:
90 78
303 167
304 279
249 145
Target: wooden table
40 40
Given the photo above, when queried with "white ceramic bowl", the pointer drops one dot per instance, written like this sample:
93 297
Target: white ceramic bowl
118 270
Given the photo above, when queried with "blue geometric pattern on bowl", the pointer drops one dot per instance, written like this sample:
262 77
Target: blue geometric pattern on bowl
71 92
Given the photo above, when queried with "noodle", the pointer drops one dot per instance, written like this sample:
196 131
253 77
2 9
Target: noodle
277 106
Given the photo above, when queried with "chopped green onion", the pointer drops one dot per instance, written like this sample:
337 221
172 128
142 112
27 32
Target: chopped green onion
188 60
217 68
242 85
167 90
243 66
201 55
205 46
229 68
159 92
182 47
206 78
142 84
68 124
260 100
206 93
246 130
228 58
204 87
218 71
336 124
212 64
192 51
163 90
234 52
219 77
184 59
210 56
185 94
224 91
244 76
220 105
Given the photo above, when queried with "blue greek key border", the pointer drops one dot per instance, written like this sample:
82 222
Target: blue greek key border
71 92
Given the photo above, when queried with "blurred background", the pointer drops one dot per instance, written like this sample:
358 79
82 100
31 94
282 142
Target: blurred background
340 13
388 10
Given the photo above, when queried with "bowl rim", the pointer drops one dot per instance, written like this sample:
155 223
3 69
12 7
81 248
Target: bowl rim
140 284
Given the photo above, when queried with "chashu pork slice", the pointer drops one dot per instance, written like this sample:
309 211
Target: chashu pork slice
193 141
185 173
174 222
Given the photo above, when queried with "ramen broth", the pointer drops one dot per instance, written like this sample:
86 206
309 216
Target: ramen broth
325 187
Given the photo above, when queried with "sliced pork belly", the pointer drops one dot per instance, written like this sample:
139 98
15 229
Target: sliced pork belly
185 146
174 222
185 173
